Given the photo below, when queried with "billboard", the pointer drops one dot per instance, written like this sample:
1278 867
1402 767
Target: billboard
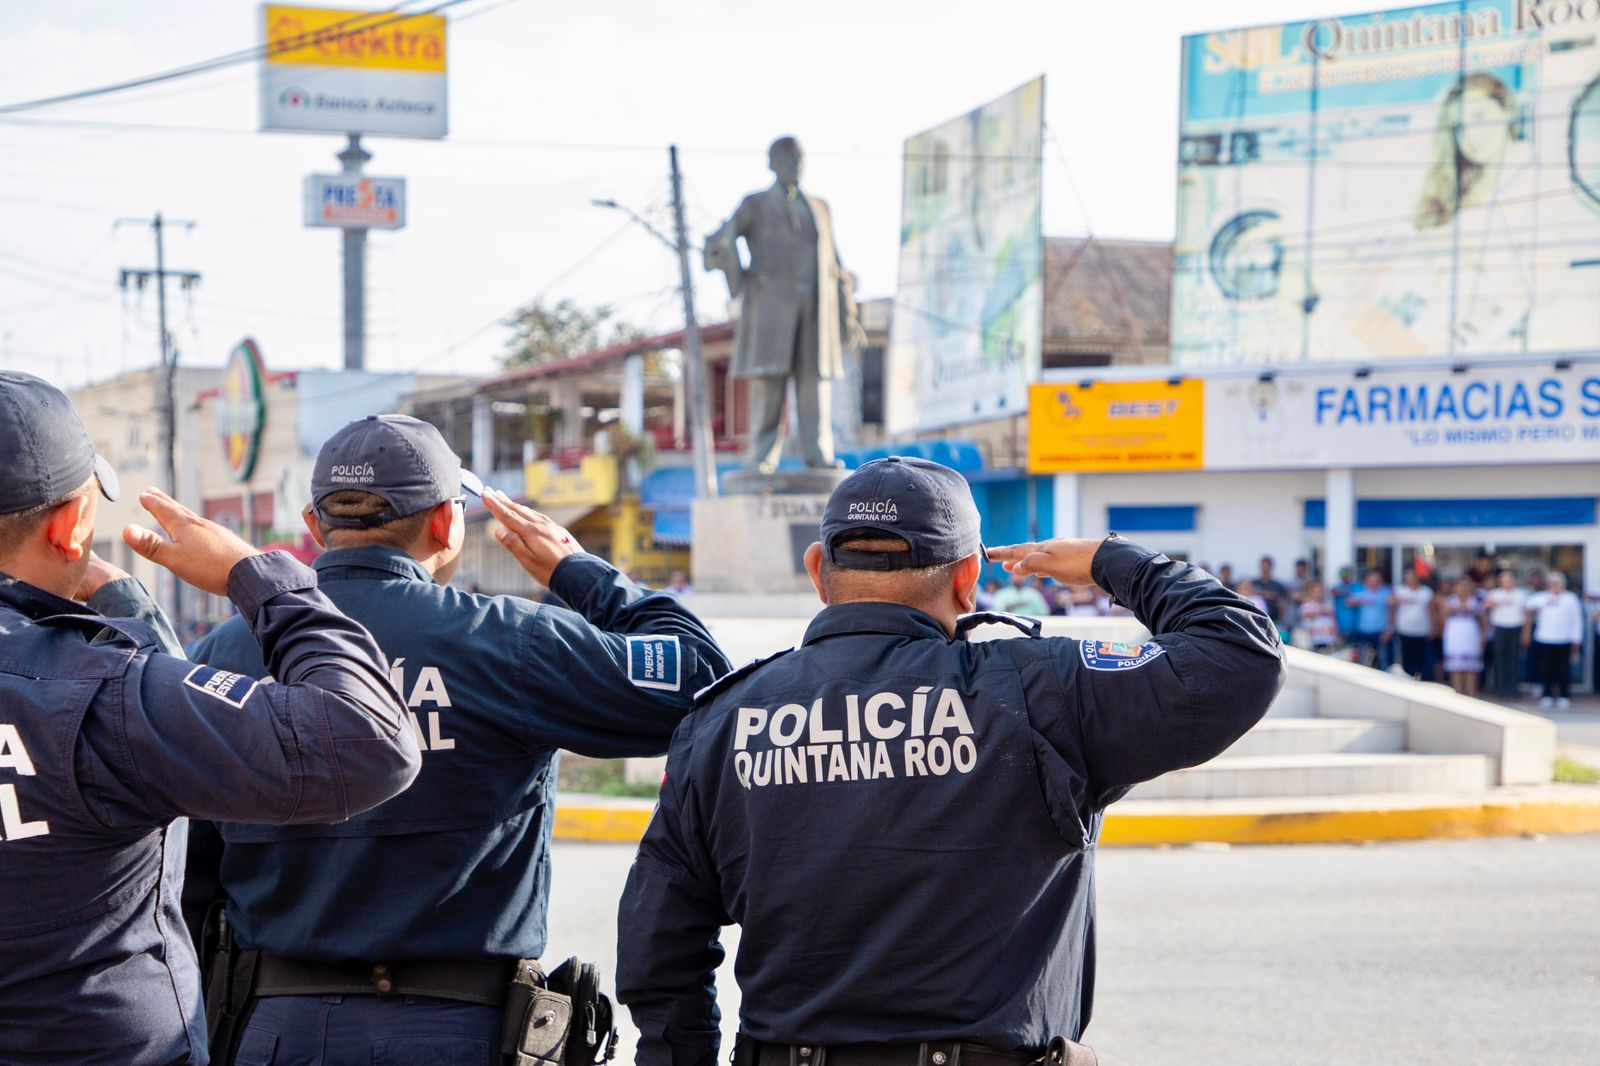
338 71
968 320
1110 425
1422 182
1403 417
355 201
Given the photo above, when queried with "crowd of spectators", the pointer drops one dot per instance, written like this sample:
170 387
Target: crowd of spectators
1487 631
1040 598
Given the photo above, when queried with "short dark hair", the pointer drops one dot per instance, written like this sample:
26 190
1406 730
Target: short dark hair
17 526
353 503
914 587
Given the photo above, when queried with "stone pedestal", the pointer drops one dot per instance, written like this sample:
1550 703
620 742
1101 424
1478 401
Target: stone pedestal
753 539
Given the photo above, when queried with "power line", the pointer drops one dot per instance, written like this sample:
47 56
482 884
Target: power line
336 32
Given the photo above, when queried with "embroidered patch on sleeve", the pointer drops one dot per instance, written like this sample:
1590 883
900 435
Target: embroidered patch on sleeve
232 689
654 662
1114 655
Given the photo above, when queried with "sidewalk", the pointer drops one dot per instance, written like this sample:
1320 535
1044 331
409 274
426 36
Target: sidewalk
1277 820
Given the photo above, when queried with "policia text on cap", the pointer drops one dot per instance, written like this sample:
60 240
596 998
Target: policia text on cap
106 743
902 821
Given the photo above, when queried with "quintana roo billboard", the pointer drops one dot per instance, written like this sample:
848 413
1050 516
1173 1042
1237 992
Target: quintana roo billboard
968 318
1416 183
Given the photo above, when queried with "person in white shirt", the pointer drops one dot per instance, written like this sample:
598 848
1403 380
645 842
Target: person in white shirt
1553 633
1462 637
1413 622
1508 615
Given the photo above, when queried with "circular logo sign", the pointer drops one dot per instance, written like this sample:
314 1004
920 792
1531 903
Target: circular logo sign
242 410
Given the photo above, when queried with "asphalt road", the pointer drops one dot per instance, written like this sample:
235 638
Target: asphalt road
1418 954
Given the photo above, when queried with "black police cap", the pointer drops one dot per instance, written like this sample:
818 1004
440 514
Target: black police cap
925 504
402 459
45 451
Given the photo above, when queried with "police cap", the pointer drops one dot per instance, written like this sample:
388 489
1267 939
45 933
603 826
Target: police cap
925 504
402 459
46 450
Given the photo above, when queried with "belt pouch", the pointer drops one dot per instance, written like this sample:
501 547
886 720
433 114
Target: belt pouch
537 1020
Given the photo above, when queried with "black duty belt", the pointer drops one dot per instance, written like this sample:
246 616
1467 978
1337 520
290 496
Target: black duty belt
930 1053
468 980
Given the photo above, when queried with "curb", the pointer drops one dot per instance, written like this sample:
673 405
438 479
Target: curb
617 824
1491 818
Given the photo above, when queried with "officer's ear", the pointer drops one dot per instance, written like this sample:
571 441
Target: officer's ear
310 516
70 527
814 568
442 525
964 582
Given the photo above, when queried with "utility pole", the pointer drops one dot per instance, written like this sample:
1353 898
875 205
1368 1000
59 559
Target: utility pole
353 159
188 279
705 467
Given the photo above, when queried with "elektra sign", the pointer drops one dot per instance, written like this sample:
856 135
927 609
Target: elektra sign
337 71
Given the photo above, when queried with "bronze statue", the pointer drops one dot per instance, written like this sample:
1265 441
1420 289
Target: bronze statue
797 312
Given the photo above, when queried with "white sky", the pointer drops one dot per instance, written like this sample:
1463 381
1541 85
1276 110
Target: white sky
550 105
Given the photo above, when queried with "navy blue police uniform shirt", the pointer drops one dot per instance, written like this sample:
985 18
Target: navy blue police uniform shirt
459 866
106 743
904 825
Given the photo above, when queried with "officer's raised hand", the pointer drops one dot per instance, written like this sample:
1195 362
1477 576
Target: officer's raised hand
199 552
1066 559
537 542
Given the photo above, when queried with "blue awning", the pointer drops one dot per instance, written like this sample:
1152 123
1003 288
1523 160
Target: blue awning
962 455
1168 518
670 491
1463 513
673 526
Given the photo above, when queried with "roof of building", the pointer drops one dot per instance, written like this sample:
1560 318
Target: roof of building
598 359
1093 285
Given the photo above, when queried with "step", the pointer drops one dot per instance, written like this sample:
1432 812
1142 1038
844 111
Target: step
1320 736
1240 776
1294 701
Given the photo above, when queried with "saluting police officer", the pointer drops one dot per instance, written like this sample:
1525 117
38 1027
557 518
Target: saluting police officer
105 744
403 926
903 822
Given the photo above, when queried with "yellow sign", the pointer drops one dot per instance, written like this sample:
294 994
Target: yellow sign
374 40
594 483
1116 425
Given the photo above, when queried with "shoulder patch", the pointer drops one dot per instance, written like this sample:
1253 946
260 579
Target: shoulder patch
232 689
655 662
1115 655
738 672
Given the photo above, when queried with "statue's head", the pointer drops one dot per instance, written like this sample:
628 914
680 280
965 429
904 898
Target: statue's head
785 158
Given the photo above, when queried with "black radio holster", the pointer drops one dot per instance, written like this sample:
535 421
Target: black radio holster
558 1020
230 987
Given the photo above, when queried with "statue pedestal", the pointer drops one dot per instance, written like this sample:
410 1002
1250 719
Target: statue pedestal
753 539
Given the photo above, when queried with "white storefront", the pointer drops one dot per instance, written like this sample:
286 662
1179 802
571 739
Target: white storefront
1355 466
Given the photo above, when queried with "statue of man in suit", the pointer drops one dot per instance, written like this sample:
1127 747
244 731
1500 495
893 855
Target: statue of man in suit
798 309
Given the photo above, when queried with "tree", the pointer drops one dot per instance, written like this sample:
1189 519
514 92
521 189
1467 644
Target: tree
545 334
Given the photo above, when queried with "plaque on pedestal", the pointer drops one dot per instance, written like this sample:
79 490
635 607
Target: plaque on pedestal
753 539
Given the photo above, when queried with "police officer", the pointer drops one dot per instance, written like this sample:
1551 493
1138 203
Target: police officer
105 744
903 822
403 926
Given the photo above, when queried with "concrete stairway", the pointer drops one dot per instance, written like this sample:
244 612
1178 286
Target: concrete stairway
1296 752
